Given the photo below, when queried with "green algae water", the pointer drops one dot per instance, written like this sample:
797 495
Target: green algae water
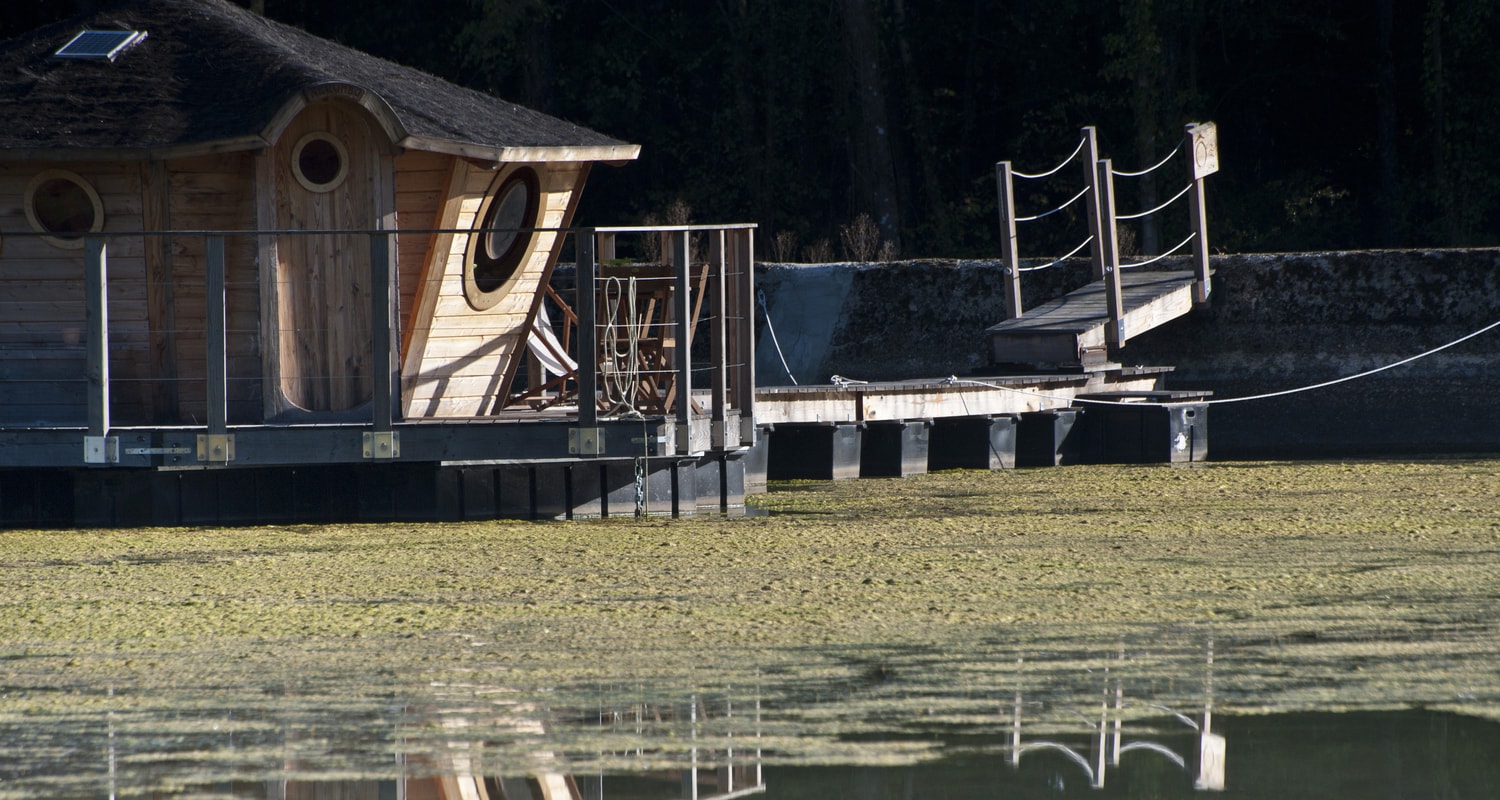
1082 631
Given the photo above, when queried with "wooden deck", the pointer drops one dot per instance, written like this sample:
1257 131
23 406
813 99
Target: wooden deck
1072 331
890 401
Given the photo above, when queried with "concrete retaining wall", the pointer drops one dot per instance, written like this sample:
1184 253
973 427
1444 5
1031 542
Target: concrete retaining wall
1277 321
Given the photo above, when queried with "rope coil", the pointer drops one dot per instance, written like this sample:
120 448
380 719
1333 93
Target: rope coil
623 375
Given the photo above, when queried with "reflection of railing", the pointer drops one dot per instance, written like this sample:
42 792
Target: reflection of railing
1108 741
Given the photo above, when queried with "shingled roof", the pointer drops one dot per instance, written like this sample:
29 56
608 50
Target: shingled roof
212 76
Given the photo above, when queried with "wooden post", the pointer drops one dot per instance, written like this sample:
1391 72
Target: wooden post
606 246
719 336
385 378
742 288
1110 250
1204 140
1091 180
96 316
216 336
588 331
682 310
1009 253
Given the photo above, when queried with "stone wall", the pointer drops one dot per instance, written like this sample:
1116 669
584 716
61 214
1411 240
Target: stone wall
1277 322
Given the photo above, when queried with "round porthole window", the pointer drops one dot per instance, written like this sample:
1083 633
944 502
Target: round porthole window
320 162
502 239
63 204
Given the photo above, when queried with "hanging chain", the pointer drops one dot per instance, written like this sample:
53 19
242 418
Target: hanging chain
641 487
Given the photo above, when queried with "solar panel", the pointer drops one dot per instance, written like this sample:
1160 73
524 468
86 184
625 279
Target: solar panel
99 44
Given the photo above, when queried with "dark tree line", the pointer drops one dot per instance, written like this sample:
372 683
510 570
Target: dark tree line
1343 123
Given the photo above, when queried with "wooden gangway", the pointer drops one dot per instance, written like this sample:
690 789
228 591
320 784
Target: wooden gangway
1073 330
1082 328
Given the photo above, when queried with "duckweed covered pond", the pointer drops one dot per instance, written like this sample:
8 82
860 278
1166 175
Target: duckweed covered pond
867 624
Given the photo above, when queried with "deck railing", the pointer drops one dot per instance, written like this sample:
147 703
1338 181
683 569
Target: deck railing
125 354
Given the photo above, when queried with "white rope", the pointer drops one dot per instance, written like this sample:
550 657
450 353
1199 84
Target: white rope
840 380
1366 373
1070 201
1147 171
1054 170
1175 198
954 380
1059 259
760 296
1155 259
621 379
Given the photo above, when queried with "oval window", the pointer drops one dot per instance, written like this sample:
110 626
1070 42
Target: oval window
502 239
320 162
63 204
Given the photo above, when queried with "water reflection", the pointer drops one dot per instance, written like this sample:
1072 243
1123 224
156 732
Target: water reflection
1095 723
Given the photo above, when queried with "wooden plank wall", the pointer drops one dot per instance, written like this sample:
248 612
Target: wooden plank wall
456 357
421 183
213 193
322 281
41 305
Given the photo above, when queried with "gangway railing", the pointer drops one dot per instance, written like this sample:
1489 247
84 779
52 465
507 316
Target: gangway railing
1097 194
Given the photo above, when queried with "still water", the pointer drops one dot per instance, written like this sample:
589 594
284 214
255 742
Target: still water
1154 713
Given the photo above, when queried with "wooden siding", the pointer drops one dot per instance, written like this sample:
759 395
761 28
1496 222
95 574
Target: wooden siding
421 184
42 306
457 358
321 330
214 193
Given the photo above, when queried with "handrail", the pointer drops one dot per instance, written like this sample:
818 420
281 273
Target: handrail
1103 220
713 301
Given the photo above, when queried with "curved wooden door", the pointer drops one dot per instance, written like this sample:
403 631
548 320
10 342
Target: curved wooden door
323 279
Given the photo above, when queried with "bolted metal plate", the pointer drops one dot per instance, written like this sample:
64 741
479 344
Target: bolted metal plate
216 448
381 444
586 441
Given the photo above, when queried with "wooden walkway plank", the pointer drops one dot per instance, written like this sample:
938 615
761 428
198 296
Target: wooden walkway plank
1070 330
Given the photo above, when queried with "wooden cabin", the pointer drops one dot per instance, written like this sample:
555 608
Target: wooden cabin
188 116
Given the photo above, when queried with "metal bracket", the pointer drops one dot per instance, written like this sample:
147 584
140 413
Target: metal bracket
101 449
158 451
382 444
585 441
216 448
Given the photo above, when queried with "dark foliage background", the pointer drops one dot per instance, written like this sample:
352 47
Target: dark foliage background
1342 123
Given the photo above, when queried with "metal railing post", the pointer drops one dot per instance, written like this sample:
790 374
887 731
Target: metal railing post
1091 180
1203 140
719 337
96 316
682 310
386 382
1110 249
1009 252
588 331
216 336
742 294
